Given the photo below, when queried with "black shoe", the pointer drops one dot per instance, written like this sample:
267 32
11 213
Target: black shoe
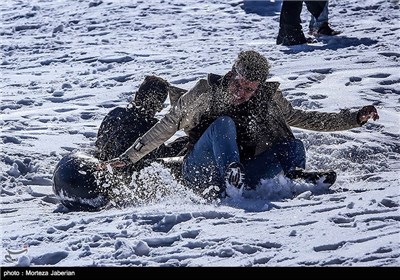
234 175
290 41
289 36
325 29
152 83
326 177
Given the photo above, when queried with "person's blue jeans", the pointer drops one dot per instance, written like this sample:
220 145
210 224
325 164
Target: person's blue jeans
216 148
280 157
207 162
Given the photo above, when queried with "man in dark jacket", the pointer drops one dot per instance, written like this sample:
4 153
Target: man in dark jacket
239 124
123 125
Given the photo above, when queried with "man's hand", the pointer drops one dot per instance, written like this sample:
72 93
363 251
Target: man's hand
366 113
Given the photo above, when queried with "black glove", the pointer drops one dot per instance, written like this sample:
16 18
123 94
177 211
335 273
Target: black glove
366 113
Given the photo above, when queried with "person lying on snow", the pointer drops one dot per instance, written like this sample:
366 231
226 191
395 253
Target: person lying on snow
239 130
76 181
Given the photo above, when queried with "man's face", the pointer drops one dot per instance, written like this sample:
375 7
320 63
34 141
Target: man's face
240 89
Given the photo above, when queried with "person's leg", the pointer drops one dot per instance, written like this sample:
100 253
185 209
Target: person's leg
265 165
290 30
293 163
316 7
320 25
315 23
291 155
281 157
214 151
290 13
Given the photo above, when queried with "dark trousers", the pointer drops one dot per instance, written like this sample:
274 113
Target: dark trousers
290 31
291 10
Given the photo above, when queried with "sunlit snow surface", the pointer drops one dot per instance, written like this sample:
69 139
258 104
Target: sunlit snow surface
65 64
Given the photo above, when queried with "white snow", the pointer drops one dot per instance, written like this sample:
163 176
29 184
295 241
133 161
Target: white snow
65 64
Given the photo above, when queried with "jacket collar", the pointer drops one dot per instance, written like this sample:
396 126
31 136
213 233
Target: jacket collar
216 81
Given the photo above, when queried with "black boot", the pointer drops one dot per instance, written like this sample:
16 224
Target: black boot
289 35
326 177
325 29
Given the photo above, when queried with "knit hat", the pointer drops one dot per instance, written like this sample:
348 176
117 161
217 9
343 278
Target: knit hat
252 66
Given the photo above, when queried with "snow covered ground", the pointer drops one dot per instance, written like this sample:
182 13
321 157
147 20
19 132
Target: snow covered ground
65 64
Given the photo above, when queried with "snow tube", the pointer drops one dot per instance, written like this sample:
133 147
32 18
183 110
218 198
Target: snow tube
76 185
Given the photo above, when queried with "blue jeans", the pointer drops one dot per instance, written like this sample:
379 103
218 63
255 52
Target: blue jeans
217 147
207 162
280 157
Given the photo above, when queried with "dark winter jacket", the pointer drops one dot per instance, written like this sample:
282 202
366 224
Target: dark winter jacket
261 122
122 126
119 129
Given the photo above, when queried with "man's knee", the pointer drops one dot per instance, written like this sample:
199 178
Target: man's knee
224 127
225 122
299 146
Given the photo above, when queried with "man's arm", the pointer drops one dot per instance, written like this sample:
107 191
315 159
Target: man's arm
321 121
156 136
181 116
177 118
152 139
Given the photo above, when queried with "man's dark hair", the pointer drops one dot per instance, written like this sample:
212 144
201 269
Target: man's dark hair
252 66
152 92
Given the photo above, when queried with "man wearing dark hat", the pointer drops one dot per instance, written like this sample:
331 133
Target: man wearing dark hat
123 125
239 130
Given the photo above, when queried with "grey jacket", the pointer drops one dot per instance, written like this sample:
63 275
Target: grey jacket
261 122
